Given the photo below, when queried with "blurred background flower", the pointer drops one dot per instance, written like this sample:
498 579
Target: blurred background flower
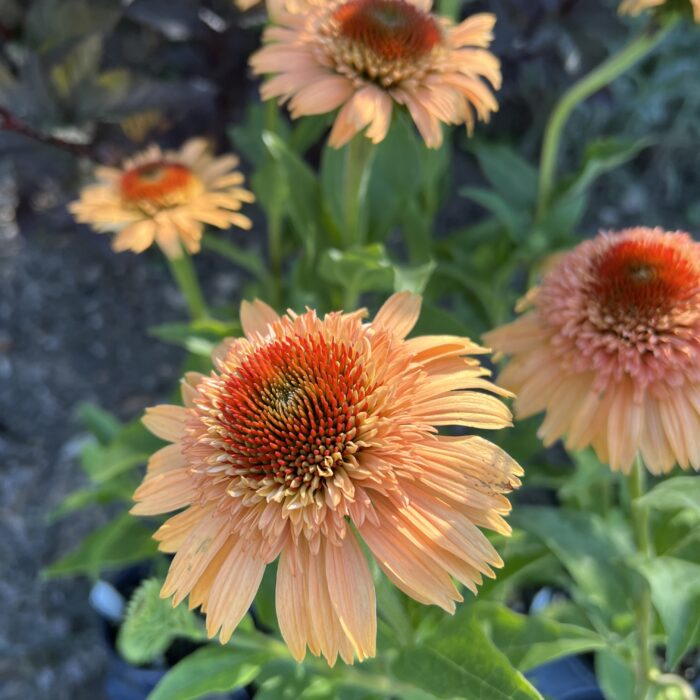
608 348
166 198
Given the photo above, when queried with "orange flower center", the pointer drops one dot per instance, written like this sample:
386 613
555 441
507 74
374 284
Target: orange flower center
160 184
394 30
292 410
644 277
384 41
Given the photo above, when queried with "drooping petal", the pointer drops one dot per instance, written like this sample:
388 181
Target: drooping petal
351 591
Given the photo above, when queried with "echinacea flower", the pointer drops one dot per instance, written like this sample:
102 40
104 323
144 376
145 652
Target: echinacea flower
362 56
610 349
636 7
165 197
310 432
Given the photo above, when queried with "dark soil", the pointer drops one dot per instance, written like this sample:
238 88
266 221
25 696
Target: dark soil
73 328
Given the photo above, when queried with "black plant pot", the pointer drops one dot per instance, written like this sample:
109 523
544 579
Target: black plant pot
569 678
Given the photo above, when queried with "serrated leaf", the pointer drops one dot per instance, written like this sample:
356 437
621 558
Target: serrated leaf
592 550
151 624
461 662
122 541
212 669
531 640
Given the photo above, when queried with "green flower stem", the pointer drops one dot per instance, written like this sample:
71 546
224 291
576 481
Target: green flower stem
643 610
358 161
274 242
597 79
245 259
184 274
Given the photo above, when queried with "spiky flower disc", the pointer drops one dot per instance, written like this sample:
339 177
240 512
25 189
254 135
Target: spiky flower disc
365 55
165 197
310 432
610 349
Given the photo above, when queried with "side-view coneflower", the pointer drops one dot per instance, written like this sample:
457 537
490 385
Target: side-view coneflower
362 56
165 197
609 349
311 434
636 7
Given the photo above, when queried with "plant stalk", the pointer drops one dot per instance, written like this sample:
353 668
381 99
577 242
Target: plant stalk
598 78
184 274
636 485
358 161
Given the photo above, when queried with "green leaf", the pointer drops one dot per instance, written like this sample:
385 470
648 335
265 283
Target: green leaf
413 279
435 320
514 220
593 550
132 447
508 173
103 463
122 541
197 337
247 137
282 679
603 156
461 662
120 489
247 259
359 269
399 170
151 624
615 675
680 492
675 593
212 669
587 487
531 640
304 203
103 425
78 65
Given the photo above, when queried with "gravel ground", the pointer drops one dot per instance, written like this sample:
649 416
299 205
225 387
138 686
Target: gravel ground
73 320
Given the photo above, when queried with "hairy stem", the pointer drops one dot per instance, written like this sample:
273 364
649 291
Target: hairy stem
643 610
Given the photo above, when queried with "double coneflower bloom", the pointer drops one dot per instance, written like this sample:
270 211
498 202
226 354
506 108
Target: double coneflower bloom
311 435
610 349
635 7
362 56
165 197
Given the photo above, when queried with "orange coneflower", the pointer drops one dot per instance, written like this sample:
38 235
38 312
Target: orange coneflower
313 431
610 349
364 55
165 197
635 7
